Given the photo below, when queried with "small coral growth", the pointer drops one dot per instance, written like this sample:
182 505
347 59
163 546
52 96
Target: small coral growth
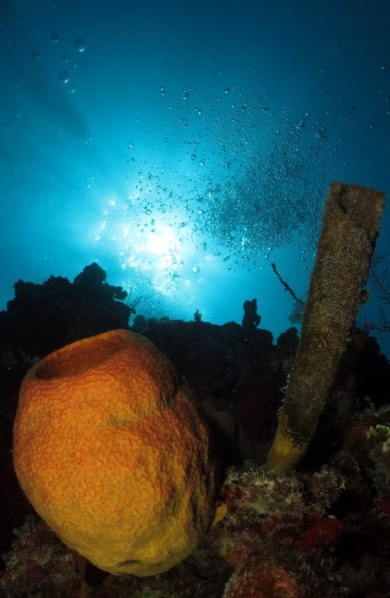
263 579
264 535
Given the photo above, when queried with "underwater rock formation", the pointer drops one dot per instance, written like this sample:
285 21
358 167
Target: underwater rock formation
251 319
44 317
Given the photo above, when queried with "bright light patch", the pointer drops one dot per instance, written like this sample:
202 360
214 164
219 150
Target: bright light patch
162 242
148 240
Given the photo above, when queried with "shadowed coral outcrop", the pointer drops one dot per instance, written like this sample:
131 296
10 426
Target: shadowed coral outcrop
44 317
111 451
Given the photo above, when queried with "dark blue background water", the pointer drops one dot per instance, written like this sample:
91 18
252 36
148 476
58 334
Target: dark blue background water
186 145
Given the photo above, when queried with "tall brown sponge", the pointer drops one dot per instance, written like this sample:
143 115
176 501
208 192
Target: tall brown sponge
351 224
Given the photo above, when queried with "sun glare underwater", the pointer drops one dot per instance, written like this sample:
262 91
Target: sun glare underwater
187 146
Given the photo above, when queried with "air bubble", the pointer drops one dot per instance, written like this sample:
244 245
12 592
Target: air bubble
64 77
80 45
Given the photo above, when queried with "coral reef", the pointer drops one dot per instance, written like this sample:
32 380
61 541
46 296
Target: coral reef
262 578
323 530
315 533
309 533
251 319
44 317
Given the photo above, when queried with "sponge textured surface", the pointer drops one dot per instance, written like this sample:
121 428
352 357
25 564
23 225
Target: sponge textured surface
110 449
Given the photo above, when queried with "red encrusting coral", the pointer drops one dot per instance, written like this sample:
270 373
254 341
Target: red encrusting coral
323 533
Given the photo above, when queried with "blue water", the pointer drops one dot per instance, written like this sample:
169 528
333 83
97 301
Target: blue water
186 145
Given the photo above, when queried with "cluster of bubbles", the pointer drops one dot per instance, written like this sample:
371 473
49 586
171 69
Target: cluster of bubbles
277 196
238 179
64 76
254 179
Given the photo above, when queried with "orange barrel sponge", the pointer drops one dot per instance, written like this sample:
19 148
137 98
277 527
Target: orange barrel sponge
112 452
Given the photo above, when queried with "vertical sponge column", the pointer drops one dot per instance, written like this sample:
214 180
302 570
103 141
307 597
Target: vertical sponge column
350 227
